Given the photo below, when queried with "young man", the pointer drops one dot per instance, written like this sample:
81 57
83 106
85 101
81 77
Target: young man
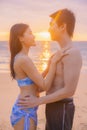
60 107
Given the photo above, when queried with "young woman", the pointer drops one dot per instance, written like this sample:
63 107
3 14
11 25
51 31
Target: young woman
27 76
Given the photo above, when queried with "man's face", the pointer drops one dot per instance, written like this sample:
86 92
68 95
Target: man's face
54 30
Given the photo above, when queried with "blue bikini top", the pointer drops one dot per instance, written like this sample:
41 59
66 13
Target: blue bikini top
24 82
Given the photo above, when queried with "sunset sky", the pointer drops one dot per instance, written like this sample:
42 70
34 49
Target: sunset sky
36 14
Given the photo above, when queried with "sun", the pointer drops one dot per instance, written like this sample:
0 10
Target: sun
43 36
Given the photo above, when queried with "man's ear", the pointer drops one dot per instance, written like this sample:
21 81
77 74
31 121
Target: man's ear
63 27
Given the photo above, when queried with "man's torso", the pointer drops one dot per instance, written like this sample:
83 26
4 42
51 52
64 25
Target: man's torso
58 81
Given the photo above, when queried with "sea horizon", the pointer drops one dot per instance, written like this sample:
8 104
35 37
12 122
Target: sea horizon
40 54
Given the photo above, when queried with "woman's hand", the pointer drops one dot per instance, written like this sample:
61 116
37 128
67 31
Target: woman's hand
58 56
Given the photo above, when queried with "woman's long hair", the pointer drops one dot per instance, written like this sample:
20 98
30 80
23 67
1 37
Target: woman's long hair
15 45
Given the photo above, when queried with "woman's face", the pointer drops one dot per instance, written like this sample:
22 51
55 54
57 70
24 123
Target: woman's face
28 38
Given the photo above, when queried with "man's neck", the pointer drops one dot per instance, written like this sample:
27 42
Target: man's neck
65 43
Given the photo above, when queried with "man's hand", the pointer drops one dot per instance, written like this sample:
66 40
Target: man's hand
28 102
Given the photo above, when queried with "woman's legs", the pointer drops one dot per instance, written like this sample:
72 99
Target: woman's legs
23 119
20 124
32 125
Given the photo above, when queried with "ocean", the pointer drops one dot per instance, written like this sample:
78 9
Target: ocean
40 54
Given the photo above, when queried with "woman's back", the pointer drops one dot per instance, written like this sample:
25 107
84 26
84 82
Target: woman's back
27 86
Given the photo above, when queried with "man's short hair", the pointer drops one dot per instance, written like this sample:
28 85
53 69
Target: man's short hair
65 16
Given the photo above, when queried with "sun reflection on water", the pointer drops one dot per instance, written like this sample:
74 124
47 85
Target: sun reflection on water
43 56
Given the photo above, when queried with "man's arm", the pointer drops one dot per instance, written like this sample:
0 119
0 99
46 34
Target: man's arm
72 66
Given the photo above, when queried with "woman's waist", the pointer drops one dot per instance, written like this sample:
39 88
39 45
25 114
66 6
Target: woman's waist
28 92
18 107
24 95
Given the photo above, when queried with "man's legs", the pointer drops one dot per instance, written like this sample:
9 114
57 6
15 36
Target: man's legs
59 115
69 115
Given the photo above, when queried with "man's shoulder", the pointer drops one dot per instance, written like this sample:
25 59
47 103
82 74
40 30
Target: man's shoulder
74 55
73 51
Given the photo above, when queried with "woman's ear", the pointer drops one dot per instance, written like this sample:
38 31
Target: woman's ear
21 39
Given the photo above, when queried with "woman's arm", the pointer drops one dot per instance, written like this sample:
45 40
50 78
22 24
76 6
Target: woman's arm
29 68
44 73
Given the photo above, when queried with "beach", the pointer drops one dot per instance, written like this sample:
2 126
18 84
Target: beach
40 55
9 92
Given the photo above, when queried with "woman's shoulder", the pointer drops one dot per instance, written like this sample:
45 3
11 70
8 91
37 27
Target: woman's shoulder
22 59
